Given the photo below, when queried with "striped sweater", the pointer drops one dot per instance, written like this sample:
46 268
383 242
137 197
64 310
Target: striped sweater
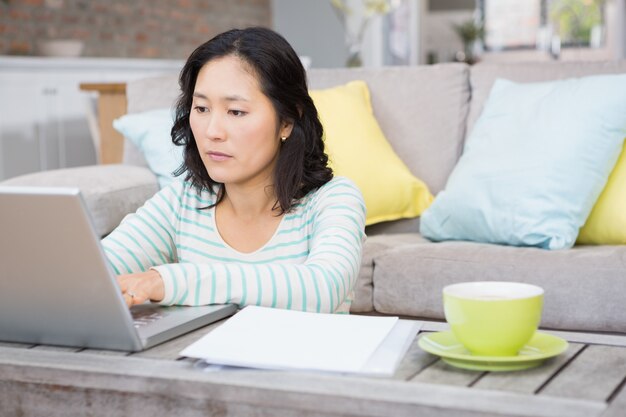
311 263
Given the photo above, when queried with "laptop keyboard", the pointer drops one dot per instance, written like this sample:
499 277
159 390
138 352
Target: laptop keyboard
144 317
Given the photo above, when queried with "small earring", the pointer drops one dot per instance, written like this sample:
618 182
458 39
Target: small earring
283 138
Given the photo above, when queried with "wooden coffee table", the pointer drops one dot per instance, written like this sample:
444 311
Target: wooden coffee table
587 380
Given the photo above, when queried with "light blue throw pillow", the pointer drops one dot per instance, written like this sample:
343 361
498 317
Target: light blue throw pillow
534 165
150 133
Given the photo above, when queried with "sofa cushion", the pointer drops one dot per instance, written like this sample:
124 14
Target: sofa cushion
535 163
607 222
357 149
363 301
584 286
420 109
110 191
150 131
482 77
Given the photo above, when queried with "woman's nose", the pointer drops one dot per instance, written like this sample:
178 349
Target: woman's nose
215 127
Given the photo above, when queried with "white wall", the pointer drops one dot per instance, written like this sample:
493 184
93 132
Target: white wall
313 29
439 37
621 24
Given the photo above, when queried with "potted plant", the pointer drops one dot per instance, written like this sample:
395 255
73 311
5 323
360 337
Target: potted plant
470 32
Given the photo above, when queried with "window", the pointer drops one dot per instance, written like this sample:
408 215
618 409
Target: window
514 24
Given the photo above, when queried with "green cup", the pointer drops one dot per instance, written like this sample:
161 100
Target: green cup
493 318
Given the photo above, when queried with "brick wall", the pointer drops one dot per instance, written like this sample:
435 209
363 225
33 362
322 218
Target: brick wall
125 28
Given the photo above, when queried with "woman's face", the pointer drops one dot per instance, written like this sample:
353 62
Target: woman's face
234 124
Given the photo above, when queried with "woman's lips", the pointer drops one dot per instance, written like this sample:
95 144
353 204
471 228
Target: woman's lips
218 156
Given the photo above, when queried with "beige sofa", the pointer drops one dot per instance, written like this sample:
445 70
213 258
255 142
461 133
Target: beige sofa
425 113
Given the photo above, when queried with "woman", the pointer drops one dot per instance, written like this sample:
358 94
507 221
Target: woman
259 218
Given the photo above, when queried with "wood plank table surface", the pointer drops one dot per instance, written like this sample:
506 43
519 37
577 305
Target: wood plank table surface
587 380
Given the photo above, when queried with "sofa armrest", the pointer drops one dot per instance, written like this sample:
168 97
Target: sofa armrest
110 191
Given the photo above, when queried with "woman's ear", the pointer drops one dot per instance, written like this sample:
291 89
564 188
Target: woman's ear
285 128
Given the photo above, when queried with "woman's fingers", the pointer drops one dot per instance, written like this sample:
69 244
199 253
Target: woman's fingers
134 296
141 287
122 282
127 299
139 297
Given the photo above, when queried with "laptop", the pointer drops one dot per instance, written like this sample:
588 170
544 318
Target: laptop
57 287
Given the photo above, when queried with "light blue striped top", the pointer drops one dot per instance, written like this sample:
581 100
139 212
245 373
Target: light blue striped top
311 263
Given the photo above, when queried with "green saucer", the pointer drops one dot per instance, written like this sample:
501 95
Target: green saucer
540 347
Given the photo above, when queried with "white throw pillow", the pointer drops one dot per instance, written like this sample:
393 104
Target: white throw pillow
150 132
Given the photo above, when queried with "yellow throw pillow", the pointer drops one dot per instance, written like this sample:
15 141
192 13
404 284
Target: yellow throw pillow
357 149
606 225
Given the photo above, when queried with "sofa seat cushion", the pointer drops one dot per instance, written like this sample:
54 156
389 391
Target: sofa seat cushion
110 191
584 286
363 302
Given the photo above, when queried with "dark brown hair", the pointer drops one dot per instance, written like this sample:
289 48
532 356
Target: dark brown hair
302 165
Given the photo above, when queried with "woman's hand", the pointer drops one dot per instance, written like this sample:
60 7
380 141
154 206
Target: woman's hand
138 288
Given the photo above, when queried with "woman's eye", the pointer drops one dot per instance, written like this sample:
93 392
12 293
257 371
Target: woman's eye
201 109
237 113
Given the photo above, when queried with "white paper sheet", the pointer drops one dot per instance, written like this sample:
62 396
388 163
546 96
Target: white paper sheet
385 360
268 338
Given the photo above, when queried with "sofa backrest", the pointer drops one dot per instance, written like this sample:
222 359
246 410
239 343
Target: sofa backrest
148 94
421 110
424 111
152 93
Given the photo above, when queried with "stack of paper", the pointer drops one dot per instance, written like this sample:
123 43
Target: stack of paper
268 338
